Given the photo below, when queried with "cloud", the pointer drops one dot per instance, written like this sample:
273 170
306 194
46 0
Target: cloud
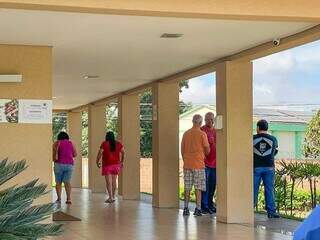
276 63
287 77
291 76
202 90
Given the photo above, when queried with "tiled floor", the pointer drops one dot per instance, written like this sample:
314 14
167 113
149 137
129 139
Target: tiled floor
138 220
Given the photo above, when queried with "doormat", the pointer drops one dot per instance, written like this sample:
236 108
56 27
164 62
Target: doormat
61 216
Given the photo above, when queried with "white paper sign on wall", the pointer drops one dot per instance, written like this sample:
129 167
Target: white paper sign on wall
35 111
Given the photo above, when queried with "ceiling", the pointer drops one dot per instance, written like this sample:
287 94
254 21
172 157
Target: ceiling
127 51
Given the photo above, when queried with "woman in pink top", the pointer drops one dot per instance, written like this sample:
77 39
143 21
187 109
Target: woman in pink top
63 154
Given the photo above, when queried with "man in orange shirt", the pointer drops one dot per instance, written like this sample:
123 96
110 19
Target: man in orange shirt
194 148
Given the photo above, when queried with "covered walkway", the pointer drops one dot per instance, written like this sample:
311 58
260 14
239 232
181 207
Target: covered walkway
76 56
127 219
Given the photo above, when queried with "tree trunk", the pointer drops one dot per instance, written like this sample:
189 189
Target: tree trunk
311 192
285 196
315 191
291 196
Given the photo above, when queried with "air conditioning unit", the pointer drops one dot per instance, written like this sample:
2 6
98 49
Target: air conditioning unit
10 78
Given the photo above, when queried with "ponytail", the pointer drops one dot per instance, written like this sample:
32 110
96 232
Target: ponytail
112 141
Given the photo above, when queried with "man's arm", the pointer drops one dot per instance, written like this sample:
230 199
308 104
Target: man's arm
206 146
206 150
276 147
182 146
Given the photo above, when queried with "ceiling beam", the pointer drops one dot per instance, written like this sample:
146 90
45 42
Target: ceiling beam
60 110
271 10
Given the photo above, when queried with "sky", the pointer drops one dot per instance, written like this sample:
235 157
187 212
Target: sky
288 77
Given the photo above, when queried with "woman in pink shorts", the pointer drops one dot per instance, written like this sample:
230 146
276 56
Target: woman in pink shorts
112 154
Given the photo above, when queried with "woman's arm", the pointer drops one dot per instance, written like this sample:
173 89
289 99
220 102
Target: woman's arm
122 153
99 157
55 151
74 151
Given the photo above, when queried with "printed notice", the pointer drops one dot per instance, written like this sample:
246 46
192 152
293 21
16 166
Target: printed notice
9 111
35 111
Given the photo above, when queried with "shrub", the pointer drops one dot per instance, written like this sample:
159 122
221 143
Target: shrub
19 219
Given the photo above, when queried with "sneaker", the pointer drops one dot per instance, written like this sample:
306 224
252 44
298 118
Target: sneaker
273 215
206 211
213 209
197 212
186 212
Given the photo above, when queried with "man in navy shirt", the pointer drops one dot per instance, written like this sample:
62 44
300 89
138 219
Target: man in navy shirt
265 147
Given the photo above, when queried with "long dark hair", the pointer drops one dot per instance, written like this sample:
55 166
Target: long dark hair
112 141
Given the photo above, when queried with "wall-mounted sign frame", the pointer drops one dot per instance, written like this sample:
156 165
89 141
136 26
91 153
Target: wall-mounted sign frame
25 111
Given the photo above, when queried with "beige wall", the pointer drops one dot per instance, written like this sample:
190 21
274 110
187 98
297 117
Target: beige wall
28 141
146 175
293 10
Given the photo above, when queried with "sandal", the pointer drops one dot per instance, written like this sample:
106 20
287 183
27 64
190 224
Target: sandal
68 202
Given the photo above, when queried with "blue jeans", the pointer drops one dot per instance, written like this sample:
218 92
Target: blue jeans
207 196
266 174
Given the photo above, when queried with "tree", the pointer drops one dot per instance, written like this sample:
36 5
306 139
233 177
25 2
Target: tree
146 118
146 124
85 127
184 107
311 146
19 219
112 118
59 123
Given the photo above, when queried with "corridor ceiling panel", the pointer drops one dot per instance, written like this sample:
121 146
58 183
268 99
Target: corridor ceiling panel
97 55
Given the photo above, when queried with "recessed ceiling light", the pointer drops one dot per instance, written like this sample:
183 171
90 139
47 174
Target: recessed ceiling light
171 35
90 76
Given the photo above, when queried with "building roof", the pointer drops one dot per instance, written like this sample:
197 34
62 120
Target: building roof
195 109
270 114
288 116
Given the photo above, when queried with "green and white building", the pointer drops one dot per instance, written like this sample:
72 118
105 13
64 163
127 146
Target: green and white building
288 126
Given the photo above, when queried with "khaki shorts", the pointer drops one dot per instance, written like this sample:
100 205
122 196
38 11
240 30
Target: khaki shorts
196 178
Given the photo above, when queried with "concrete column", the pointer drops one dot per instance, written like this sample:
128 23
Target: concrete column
75 133
165 144
234 143
129 135
97 131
